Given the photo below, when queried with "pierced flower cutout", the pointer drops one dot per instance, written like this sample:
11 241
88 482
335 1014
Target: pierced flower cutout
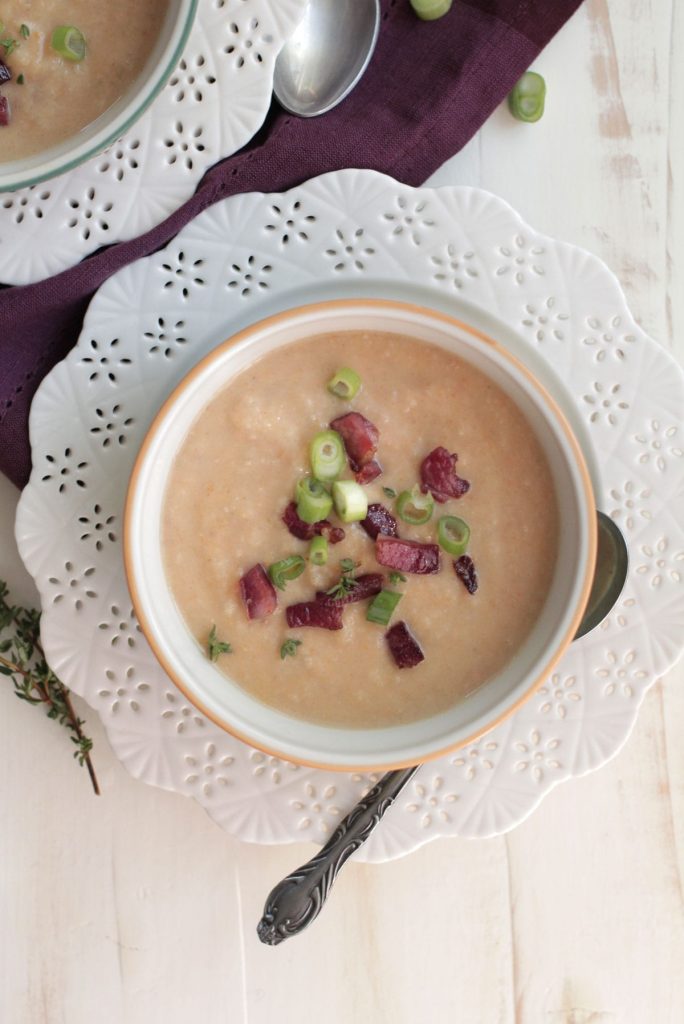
621 674
271 768
88 214
120 159
183 274
73 584
350 251
112 426
604 401
98 527
290 222
544 321
409 218
103 360
209 772
182 148
658 444
539 756
121 629
630 504
315 801
430 802
190 79
166 337
453 266
477 759
65 470
558 694
657 566
521 260
245 44
180 714
122 691
606 338
249 277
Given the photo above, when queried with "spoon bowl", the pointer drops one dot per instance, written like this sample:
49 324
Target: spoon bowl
326 55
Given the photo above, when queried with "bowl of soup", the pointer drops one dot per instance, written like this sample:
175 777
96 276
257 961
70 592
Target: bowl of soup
75 76
359 534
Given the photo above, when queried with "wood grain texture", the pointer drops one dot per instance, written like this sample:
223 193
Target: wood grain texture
135 909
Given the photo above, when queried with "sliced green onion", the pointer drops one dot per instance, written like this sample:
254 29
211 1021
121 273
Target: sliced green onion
390 492
69 42
526 98
287 569
415 507
318 551
328 457
351 502
345 383
382 607
453 534
430 10
313 501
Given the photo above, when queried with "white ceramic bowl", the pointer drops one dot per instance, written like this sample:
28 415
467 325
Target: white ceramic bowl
173 34
224 701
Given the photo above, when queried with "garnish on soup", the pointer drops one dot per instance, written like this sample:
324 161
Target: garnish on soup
217 647
403 646
289 648
415 396
379 520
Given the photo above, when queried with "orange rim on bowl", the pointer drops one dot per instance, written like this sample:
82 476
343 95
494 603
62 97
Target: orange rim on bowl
136 574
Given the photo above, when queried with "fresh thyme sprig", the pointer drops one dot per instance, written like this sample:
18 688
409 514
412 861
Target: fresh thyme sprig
22 659
217 647
346 581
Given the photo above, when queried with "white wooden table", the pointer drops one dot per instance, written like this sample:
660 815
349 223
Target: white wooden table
135 909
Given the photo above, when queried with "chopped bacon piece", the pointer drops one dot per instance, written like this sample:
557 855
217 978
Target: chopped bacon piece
403 646
438 475
324 614
307 531
379 520
464 567
5 73
367 585
360 438
4 112
407 555
258 593
371 471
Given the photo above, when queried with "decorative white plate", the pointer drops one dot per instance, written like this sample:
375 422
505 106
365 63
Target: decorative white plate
355 232
213 104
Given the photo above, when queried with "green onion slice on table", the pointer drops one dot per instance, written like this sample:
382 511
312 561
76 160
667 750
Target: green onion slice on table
286 570
69 42
526 98
453 535
318 551
351 501
313 501
345 383
414 507
328 457
382 607
430 10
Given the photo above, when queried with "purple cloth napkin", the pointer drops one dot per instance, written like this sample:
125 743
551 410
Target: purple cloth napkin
429 87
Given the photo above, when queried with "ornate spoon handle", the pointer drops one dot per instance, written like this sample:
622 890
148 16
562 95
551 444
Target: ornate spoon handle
298 899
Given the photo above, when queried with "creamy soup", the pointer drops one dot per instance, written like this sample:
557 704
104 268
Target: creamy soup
52 98
236 472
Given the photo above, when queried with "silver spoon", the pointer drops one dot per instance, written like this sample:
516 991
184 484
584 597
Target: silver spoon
326 55
298 899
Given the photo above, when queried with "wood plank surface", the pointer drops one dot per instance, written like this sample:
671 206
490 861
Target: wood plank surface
136 909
